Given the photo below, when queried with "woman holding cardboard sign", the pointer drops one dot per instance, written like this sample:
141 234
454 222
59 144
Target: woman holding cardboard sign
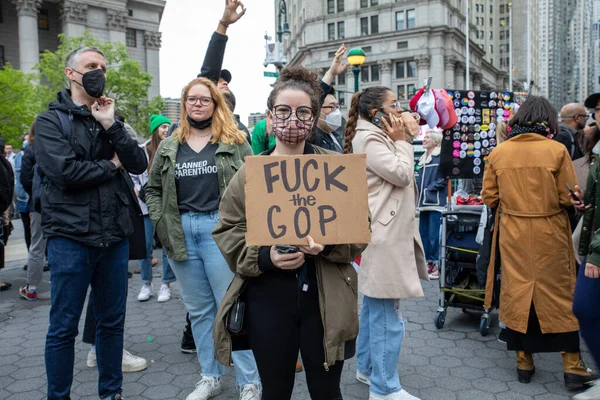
190 172
296 299
394 262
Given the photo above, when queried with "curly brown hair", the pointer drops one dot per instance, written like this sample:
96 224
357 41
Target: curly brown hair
301 79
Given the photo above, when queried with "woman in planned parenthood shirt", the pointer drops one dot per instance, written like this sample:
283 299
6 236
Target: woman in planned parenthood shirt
189 175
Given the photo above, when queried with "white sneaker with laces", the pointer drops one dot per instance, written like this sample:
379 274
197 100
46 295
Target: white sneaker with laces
362 378
164 294
250 391
593 393
145 292
130 362
401 395
207 388
133 363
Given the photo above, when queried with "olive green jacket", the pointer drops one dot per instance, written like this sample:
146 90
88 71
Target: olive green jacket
161 192
589 244
336 278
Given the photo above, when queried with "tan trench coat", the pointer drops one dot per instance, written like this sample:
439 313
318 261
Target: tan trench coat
394 262
525 178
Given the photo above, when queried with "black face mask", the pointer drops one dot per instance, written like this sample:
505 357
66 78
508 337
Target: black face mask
93 82
201 124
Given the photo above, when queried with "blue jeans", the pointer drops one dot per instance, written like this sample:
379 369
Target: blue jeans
203 279
429 227
146 264
74 268
586 307
379 344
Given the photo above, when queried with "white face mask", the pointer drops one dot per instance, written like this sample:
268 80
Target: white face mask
334 119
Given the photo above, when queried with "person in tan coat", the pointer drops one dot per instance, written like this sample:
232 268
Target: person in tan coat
525 178
394 262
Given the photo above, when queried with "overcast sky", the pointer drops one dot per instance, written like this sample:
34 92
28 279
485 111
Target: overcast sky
187 26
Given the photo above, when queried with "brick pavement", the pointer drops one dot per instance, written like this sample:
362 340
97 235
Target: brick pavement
454 363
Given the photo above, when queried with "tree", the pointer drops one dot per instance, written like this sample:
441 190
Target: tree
125 80
19 104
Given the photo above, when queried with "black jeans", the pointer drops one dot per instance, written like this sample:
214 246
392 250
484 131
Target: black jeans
282 320
26 228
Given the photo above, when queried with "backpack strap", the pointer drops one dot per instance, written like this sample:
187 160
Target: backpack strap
66 123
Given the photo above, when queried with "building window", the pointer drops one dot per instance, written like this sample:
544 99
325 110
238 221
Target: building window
401 92
367 49
331 31
340 4
411 69
402 45
374 24
364 26
491 35
374 72
341 78
374 3
508 34
2 60
43 21
331 54
400 74
502 9
130 37
491 49
341 30
130 12
1 15
410 91
330 6
364 3
491 9
410 17
501 35
400 21
364 73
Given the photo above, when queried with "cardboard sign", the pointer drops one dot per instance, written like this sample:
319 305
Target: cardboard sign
291 197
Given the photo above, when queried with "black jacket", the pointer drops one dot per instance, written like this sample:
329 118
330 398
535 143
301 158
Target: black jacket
85 197
324 140
27 164
569 138
213 60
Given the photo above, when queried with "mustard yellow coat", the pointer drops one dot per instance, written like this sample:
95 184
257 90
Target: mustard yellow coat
525 178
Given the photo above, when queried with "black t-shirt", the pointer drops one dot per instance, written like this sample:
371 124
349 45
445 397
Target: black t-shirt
196 179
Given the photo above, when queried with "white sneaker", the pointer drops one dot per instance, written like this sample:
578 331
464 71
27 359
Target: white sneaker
362 378
164 294
401 395
91 359
250 391
130 362
145 292
592 393
133 363
207 388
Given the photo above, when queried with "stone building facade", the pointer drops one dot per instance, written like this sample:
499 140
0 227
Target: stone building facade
28 27
405 41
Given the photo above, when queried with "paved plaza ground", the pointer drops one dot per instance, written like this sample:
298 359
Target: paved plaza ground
454 363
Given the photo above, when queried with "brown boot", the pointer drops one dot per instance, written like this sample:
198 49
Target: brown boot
525 367
299 366
576 373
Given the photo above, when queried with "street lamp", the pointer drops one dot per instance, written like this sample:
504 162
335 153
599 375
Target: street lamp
356 57
285 30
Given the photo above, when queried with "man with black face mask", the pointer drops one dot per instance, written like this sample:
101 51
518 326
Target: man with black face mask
572 121
83 155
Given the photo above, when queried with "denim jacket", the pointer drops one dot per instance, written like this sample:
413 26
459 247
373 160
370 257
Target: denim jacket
432 185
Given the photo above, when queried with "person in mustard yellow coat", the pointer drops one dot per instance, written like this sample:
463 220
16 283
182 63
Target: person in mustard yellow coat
526 180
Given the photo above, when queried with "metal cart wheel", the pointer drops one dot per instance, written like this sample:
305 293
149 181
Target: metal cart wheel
484 326
440 319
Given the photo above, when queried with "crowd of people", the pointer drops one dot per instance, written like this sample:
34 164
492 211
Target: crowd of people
91 198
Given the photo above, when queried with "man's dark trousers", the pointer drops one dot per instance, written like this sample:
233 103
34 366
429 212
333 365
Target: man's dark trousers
74 267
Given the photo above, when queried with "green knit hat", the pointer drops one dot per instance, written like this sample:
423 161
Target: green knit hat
158 120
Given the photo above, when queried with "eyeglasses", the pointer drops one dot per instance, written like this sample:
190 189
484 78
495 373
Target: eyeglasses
332 107
395 104
284 112
577 116
192 101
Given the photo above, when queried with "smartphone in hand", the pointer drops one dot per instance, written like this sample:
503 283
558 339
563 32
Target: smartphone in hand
572 193
283 249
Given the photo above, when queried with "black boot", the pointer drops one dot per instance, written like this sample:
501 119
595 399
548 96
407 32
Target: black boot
525 375
187 341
